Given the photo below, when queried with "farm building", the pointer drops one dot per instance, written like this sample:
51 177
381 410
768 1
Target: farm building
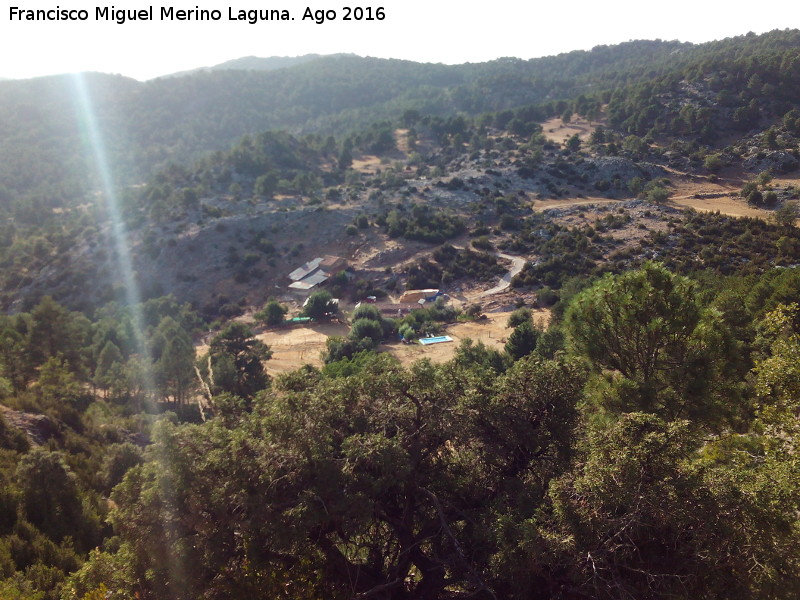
305 270
392 309
417 295
315 272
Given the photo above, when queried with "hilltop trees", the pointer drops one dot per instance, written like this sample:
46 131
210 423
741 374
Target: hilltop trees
13 366
661 349
639 516
174 367
53 330
236 358
778 374
345 160
265 185
613 469
787 214
353 484
50 497
108 368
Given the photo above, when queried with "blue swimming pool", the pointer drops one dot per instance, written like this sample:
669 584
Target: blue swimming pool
435 340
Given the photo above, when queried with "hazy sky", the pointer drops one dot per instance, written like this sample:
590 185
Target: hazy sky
429 31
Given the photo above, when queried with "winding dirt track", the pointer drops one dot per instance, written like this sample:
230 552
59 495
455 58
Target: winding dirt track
517 262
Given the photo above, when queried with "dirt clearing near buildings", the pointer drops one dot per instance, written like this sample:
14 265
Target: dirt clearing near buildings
492 331
297 346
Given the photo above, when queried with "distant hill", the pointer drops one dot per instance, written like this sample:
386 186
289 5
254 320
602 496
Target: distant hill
255 63
146 125
45 158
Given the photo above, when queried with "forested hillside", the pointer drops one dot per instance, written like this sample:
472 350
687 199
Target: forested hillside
618 227
145 125
641 445
254 63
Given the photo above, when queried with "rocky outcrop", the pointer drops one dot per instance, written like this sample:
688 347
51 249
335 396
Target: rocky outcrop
616 167
38 428
779 162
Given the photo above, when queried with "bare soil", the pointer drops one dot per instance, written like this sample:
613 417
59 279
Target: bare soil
556 131
401 138
297 346
367 163
725 205
370 164
690 191
700 194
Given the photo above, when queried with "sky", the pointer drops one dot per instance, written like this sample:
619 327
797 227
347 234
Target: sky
445 31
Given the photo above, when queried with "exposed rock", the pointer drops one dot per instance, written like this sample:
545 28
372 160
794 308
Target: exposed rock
616 167
38 428
777 162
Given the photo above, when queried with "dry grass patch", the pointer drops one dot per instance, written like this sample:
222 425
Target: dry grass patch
297 346
556 131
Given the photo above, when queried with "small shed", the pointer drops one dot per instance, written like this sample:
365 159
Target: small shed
410 296
332 263
396 309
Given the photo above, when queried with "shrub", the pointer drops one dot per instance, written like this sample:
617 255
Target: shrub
407 332
519 316
367 311
474 310
272 313
547 296
338 347
367 328
713 163
755 197
482 243
522 340
657 194
509 223
319 305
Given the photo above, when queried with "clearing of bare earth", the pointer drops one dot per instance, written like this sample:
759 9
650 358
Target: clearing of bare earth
293 347
706 196
556 130
723 196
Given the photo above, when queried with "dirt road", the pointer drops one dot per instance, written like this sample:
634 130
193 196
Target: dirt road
517 263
